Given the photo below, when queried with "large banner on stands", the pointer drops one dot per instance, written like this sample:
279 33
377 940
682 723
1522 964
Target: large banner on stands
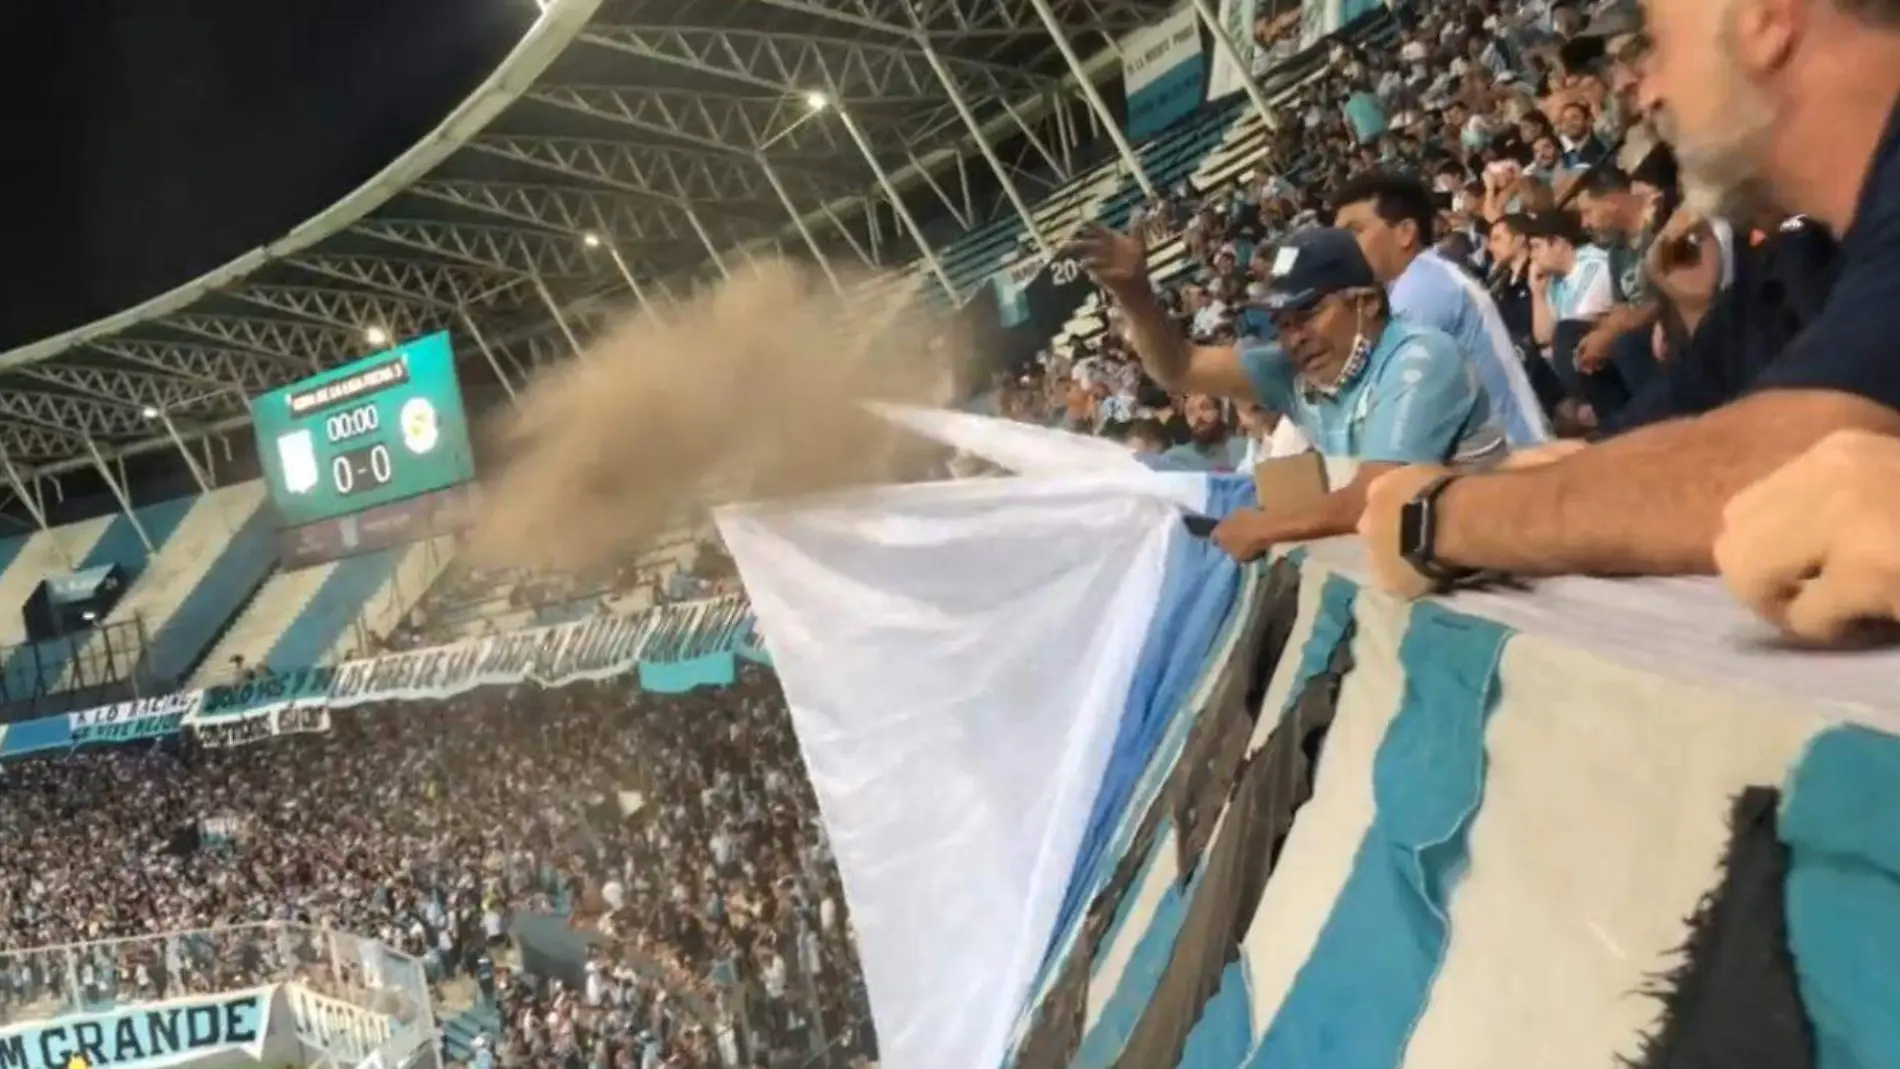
165 1033
1320 19
1037 297
697 643
1236 21
145 718
674 648
347 1031
1162 70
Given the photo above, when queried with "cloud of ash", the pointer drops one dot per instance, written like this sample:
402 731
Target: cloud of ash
753 390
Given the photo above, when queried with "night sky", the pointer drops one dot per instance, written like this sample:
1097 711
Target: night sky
148 141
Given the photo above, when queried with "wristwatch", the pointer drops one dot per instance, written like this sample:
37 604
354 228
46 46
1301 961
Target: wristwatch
1418 534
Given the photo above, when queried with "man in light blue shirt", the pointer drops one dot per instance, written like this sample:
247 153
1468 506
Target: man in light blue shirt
1398 391
1359 383
1393 218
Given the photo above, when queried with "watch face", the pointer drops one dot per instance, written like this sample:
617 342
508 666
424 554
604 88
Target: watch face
1413 538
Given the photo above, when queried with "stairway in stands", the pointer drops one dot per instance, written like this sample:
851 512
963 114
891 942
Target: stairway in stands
460 1031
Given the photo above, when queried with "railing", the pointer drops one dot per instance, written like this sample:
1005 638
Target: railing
50 981
79 670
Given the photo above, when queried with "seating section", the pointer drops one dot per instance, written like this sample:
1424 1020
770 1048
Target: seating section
414 571
222 554
46 553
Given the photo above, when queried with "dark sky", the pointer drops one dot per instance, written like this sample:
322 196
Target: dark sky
148 141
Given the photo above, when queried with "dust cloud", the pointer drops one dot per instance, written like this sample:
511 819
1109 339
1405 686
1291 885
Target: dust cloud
753 390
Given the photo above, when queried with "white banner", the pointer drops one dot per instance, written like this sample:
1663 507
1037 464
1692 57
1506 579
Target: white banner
1236 20
1320 19
1153 51
596 647
144 718
349 1033
257 725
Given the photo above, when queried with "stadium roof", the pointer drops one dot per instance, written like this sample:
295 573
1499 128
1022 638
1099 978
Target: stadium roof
618 133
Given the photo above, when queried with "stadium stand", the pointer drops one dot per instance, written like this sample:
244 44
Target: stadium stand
620 871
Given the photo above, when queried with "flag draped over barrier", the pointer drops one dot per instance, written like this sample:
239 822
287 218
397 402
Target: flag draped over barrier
1101 798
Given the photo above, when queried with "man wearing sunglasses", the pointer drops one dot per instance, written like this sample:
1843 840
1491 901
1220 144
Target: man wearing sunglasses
1358 382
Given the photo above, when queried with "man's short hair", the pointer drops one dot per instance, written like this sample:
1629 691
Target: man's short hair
1517 223
1395 198
1559 223
1605 180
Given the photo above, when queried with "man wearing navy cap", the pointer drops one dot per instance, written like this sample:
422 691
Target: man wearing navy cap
1358 382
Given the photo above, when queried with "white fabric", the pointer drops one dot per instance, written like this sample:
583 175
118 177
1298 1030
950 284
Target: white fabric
1318 856
1687 629
956 657
1032 450
1606 802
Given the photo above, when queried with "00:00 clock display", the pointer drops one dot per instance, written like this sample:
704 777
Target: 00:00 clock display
344 474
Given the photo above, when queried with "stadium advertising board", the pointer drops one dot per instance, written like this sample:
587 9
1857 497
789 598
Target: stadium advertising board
357 440
159 1034
1162 71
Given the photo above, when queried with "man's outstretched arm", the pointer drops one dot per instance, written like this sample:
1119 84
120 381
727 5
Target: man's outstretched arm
1645 503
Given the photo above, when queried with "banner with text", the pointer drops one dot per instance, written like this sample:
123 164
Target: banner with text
594 648
145 718
1163 67
160 1034
1236 21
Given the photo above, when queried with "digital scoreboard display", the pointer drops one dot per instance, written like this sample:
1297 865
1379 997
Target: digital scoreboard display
367 455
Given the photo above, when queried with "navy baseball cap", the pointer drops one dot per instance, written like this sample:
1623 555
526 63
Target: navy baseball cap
1312 265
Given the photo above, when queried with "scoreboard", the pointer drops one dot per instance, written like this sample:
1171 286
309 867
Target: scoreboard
367 455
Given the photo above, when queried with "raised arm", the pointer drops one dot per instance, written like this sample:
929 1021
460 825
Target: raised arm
1119 262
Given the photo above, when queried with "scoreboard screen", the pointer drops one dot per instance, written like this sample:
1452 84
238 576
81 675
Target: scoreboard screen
366 455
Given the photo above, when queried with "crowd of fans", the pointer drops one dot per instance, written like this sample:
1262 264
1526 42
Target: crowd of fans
1470 240
1485 132
677 831
1644 260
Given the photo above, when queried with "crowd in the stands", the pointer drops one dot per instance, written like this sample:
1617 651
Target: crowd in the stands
1478 124
680 831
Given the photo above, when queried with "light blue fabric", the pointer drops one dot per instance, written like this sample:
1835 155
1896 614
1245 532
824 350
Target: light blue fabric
677 677
1839 821
1365 113
1196 599
1355 1001
1571 296
1417 401
1107 1036
1221 1037
1434 292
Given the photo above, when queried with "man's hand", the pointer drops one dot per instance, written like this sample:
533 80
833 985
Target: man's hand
1593 349
1118 261
1379 529
1244 534
1815 546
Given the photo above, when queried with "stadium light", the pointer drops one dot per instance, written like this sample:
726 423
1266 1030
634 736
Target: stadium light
376 336
149 411
817 101
591 240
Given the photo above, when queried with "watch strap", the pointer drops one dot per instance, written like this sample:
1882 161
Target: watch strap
1423 556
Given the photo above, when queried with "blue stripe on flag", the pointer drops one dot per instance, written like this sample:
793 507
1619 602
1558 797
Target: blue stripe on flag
1844 894
1196 600
1329 629
1355 1001
1221 1038
1107 1036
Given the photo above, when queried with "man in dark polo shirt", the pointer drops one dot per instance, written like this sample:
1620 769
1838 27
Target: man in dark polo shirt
1797 105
